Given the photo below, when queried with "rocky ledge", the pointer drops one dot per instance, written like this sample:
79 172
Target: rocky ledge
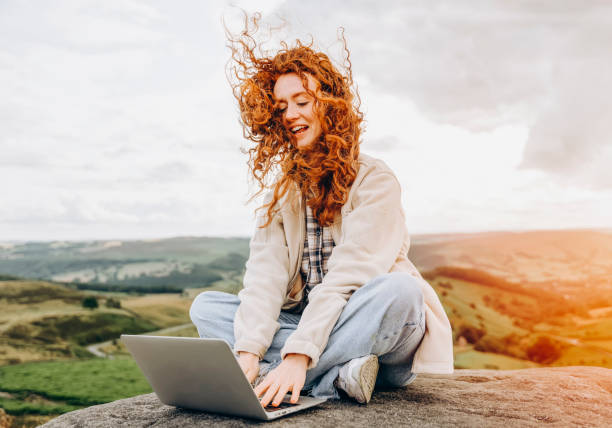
559 396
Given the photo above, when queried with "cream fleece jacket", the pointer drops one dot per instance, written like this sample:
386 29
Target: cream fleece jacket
371 239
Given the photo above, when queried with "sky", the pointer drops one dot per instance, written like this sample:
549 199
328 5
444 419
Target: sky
117 120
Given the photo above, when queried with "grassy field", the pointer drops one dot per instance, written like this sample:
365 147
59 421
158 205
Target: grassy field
163 310
33 393
468 358
78 382
499 328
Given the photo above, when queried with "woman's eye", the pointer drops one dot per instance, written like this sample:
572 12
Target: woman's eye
302 104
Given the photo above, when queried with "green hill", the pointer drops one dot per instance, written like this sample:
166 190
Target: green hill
494 318
41 321
165 264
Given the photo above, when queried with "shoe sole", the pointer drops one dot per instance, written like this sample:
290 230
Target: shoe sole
367 377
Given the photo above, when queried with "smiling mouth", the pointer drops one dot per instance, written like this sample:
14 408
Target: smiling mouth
298 130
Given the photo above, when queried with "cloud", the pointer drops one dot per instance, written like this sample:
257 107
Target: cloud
384 144
171 171
572 134
484 64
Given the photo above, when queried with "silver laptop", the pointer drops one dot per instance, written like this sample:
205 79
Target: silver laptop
203 374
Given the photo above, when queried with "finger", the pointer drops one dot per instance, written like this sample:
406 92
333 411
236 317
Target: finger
260 389
263 386
295 393
269 394
280 395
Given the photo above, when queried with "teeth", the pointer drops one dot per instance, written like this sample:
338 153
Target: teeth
298 128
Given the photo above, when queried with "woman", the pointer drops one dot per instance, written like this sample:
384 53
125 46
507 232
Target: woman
330 299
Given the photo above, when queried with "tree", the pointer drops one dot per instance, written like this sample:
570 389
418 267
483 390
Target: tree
90 302
544 350
470 333
113 303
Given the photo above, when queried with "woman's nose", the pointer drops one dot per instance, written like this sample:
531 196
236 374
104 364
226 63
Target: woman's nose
291 113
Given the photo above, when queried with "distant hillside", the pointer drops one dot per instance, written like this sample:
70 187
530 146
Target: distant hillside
566 261
176 262
516 299
500 325
41 320
574 264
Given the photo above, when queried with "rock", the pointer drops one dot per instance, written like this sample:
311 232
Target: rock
555 396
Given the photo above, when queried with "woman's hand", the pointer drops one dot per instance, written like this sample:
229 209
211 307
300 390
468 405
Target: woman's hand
290 375
249 363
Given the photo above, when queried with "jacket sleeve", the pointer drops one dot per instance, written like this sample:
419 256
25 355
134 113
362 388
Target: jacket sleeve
372 236
265 283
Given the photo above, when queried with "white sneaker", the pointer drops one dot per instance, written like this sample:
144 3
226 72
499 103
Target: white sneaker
358 377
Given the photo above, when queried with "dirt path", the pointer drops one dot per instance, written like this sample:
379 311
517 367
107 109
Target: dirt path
95 348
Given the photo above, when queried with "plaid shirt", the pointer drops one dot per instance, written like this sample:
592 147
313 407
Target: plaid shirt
318 246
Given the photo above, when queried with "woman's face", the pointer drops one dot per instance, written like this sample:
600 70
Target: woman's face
297 108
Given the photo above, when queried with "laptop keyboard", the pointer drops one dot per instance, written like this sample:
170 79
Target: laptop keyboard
282 405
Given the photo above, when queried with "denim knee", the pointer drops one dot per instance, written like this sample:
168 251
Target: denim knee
204 308
202 302
408 298
402 325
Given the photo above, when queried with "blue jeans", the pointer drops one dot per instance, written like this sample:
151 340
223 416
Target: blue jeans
385 317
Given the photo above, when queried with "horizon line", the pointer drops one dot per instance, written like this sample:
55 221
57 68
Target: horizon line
414 235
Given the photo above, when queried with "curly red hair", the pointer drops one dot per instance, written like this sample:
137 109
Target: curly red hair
325 171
